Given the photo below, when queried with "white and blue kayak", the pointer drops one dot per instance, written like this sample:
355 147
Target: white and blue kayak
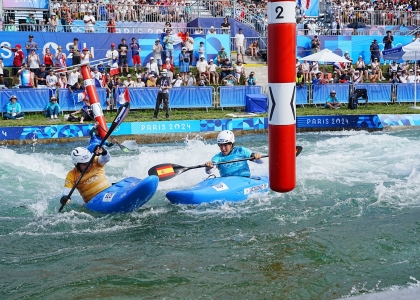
224 189
126 195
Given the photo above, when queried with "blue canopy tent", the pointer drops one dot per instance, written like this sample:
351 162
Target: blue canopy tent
410 51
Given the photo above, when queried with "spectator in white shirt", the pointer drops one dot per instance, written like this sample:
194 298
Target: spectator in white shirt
89 21
73 77
153 66
177 82
51 80
202 67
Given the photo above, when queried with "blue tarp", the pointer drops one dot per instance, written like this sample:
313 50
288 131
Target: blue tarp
256 103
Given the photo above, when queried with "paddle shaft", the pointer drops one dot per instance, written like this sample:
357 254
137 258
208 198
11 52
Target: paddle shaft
118 119
224 162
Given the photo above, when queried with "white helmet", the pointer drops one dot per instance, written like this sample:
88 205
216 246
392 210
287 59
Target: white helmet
80 155
226 136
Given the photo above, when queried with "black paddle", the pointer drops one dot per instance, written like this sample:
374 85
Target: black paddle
122 147
168 171
122 113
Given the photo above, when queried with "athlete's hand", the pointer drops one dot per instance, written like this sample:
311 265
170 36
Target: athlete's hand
64 200
257 156
209 164
100 151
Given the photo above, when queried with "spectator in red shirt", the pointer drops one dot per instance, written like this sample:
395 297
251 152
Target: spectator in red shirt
18 59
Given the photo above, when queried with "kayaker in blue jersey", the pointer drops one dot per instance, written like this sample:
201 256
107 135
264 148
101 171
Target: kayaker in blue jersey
228 151
96 139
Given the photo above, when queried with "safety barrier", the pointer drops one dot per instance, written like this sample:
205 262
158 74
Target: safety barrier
180 97
74 100
33 100
377 92
234 96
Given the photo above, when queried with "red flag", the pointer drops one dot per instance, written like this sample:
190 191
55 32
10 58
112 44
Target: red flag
126 95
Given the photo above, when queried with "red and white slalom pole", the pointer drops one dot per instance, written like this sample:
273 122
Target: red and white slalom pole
281 97
94 99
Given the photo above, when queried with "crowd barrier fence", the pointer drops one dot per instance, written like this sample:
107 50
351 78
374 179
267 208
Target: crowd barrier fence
377 92
35 100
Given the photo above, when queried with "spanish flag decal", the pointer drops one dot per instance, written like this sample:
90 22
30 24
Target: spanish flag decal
165 171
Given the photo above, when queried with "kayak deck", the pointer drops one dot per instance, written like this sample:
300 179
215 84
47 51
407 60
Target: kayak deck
126 195
225 189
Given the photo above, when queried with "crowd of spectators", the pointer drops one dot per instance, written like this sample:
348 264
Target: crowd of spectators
382 12
33 68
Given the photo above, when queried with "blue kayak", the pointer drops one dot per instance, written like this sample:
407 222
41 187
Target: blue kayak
225 189
126 195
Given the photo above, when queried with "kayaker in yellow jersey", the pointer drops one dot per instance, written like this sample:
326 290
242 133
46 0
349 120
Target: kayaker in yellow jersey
94 180
228 151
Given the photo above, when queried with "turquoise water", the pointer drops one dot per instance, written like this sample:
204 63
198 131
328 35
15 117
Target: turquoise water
350 227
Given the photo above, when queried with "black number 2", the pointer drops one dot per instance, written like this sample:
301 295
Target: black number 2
279 10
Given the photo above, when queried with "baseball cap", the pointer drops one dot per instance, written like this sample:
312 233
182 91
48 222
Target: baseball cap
333 92
13 97
183 48
112 45
168 59
152 58
210 60
18 46
101 63
211 27
227 58
129 75
157 40
31 36
42 65
85 49
53 97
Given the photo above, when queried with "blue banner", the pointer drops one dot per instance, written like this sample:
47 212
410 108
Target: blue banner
322 91
29 99
378 93
338 122
234 96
